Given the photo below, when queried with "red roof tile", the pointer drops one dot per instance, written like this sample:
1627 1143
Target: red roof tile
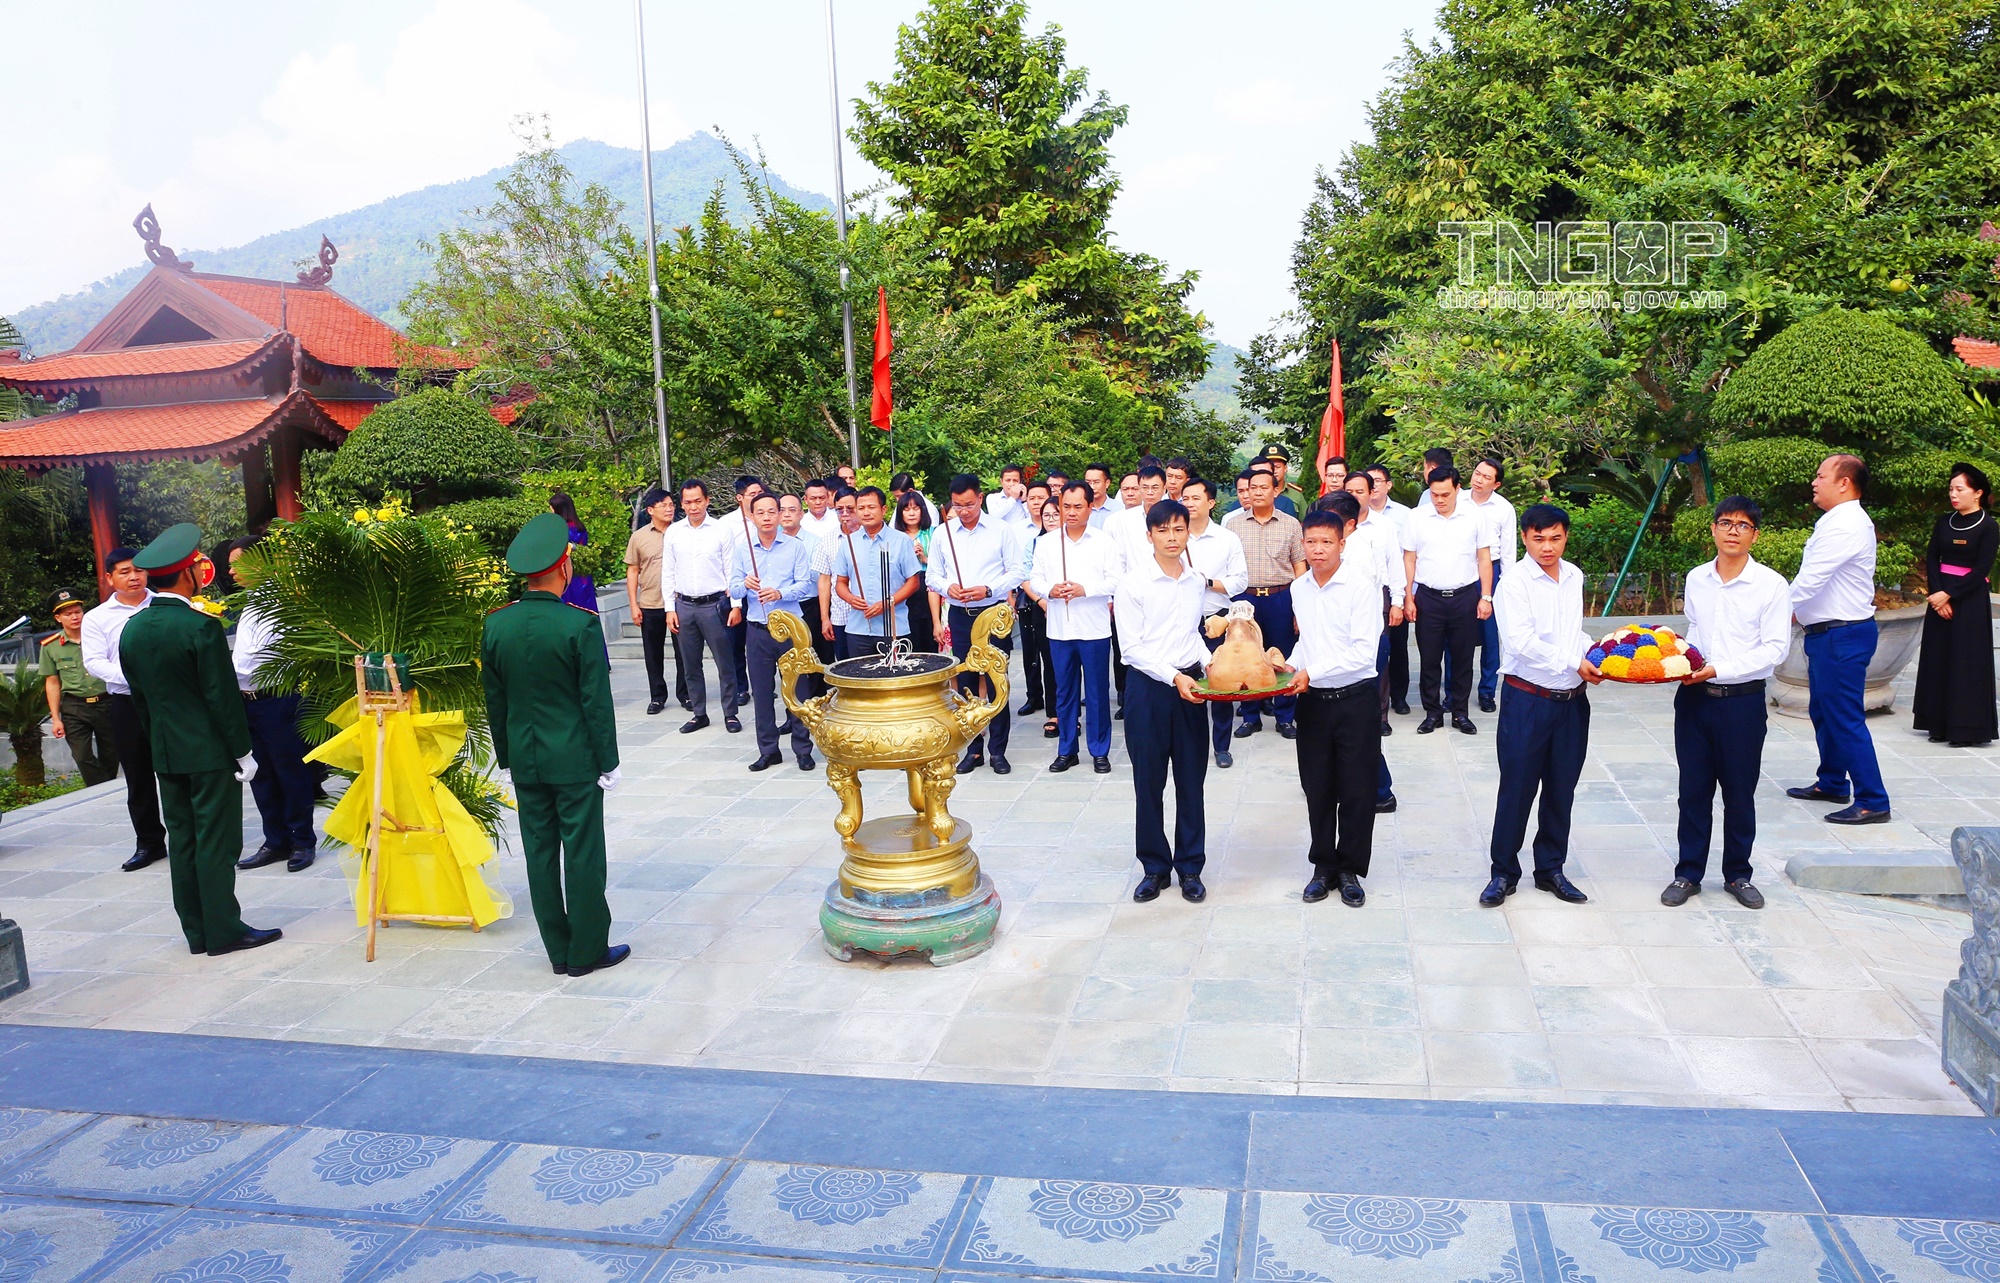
122 434
171 358
329 327
348 414
1978 353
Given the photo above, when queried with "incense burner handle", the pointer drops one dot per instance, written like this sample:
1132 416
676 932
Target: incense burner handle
984 659
799 661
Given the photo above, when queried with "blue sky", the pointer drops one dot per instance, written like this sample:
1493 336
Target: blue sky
236 119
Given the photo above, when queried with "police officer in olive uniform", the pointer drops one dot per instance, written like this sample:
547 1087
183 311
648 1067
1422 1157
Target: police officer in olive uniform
548 700
184 691
78 709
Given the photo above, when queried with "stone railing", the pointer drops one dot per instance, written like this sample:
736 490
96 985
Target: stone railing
1972 1002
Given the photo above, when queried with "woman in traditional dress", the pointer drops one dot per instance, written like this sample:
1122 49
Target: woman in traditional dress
1955 668
914 520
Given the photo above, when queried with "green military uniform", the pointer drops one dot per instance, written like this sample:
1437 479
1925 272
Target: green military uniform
184 691
82 702
548 700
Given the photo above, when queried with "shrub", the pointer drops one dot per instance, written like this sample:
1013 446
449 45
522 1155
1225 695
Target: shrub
494 522
437 445
603 498
1853 380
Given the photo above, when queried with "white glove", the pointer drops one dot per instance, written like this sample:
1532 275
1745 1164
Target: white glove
246 768
609 780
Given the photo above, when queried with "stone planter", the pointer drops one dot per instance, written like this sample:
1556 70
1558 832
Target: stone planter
1899 633
13 959
1972 1002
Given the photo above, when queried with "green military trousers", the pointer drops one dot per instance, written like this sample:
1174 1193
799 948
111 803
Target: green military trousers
204 815
562 835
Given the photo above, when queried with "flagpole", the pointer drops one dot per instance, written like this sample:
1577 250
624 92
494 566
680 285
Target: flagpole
840 223
652 249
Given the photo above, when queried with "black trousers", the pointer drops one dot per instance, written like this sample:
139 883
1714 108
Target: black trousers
653 637
1399 664
960 621
1446 625
1719 741
284 784
764 651
739 641
1037 670
1340 752
135 758
1166 734
1541 743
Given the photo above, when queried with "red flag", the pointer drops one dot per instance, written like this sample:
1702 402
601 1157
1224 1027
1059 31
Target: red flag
1332 424
885 403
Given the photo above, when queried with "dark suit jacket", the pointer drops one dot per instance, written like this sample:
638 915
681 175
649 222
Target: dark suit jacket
184 688
548 691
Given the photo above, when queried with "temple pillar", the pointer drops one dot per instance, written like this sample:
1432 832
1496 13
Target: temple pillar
100 483
286 448
259 506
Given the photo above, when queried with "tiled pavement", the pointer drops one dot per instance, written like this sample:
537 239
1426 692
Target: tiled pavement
1821 1001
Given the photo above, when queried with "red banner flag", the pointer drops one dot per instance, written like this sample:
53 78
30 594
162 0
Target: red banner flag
885 403
1332 424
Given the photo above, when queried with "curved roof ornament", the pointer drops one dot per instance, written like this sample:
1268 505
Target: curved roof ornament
148 227
328 256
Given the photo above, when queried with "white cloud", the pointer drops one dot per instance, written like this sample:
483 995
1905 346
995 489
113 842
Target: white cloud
1185 172
1267 102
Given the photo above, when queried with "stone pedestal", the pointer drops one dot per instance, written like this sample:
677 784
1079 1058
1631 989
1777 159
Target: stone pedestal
13 959
1899 633
1972 1002
902 890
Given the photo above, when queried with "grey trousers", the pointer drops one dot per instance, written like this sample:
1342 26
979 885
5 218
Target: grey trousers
761 653
705 626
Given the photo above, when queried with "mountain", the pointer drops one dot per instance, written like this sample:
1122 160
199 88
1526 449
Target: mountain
381 252
1217 388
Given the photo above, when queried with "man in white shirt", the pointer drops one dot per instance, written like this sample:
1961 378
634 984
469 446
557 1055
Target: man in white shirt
975 565
1834 600
1127 526
1544 729
1102 501
820 520
879 604
1178 471
830 642
1216 554
1448 568
1381 507
284 784
1494 508
103 624
1336 603
773 573
1158 605
1077 569
1009 503
1376 543
1740 620
694 564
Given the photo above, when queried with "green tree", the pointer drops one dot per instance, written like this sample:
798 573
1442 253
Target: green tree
437 445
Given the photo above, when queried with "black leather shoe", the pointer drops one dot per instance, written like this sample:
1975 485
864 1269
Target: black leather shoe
1193 891
1855 815
561 969
1487 704
687 705
264 855
143 857
1496 893
1224 758
970 763
1429 724
1465 725
1400 708
693 724
766 761
1318 889
1351 893
1288 730
1560 887
301 859
250 939
1386 805
1386 728
1150 886
657 706
806 762
1119 716
1062 763
614 955
1678 892
733 724
1814 793
1101 765
1746 895
1000 764
1248 729
1028 706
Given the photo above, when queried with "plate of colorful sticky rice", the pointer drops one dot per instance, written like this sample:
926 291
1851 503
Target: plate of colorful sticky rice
1644 654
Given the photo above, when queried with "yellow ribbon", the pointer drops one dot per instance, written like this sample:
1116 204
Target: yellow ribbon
432 848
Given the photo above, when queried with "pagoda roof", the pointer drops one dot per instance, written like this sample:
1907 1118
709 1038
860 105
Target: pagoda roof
137 433
330 328
75 369
1977 353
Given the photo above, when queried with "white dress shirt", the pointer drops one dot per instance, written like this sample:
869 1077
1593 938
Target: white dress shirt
1837 573
1541 625
1397 514
695 559
1092 561
1159 620
1340 625
1742 626
1005 508
822 564
1376 543
823 527
256 641
1127 528
1217 553
988 553
103 624
1447 548
1502 526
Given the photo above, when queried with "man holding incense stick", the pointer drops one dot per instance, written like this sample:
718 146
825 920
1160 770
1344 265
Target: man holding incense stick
975 563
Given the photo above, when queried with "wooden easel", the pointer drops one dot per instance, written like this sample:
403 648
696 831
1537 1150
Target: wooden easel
381 703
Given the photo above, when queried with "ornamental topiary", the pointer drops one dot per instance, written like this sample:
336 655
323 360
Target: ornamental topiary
436 445
1853 380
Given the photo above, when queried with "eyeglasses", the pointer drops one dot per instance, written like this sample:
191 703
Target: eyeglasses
1737 527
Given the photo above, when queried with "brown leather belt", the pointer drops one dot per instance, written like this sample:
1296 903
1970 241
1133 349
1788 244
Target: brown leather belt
1268 592
1521 684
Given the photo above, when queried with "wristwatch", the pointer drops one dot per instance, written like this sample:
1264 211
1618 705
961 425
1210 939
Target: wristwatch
1486 596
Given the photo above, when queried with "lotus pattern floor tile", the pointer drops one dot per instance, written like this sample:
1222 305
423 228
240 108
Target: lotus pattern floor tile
146 1158
1098 1229
377 1175
615 1195
833 1213
1334 1238
440 1256
703 1267
1925 1251
229 1247
23 1131
46 1240
1615 1244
